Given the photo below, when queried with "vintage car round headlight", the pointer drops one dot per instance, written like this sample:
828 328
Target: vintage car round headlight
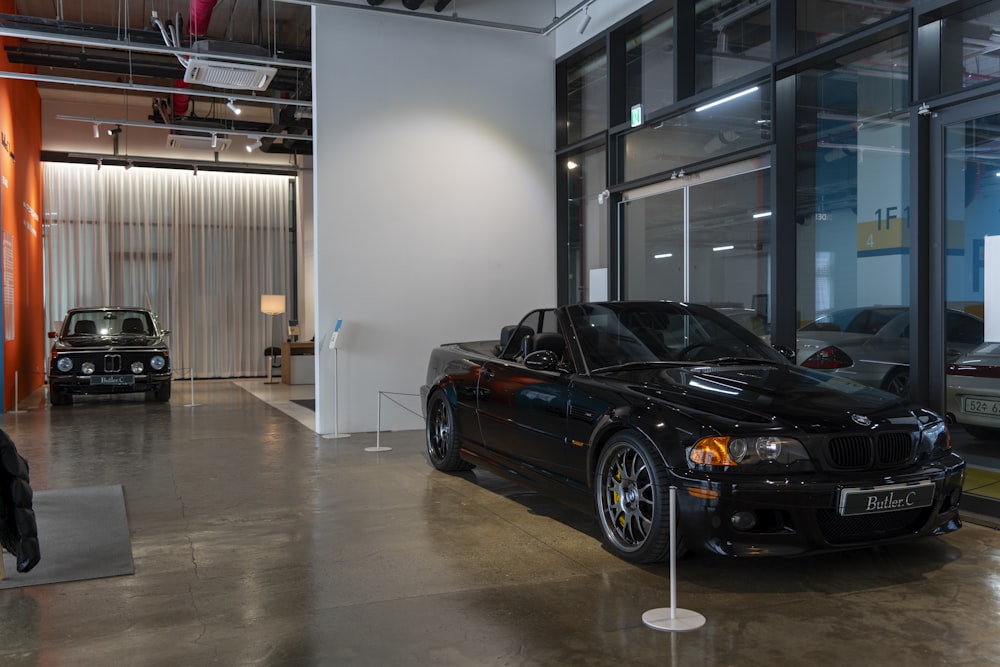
87 368
137 367
157 363
64 364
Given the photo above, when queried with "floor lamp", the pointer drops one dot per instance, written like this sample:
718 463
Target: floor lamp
271 304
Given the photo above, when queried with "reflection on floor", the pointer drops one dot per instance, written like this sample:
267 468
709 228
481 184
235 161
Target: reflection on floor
258 542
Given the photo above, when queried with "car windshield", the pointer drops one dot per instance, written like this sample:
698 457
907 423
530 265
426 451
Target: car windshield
615 334
108 323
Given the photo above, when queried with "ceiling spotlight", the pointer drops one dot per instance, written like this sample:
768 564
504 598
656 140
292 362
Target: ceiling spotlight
97 130
232 107
128 164
114 131
585 21
99 163
254 146
215 140
194 168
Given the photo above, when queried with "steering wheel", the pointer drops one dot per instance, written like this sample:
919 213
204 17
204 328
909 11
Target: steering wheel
714 350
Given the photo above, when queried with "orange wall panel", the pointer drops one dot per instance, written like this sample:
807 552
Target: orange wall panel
21 217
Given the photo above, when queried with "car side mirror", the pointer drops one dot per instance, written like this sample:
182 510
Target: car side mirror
786 352
542 360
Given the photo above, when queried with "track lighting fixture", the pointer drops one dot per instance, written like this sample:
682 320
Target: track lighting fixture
99 163
585 21
128 165
194 169
97 130
255 145
114 131
232 107
215 140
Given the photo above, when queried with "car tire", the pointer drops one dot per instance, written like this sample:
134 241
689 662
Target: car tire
442 441
57 397
983 432
632 498
898 382
162 393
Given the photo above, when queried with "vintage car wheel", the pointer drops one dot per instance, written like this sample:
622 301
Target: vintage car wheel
631 494
57 397
162 393
442 445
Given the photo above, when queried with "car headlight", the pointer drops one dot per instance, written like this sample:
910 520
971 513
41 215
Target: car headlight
64 364
936 436
137 367
723 451
87 368
157 363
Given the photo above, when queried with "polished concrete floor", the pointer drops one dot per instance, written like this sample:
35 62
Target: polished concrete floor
258 542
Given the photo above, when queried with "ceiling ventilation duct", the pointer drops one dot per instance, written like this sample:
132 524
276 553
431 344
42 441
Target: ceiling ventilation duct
213 70
234 76
198 142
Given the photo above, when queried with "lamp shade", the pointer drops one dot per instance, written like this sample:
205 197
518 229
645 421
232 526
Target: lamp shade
272 304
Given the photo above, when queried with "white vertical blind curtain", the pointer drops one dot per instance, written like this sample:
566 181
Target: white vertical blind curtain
199 250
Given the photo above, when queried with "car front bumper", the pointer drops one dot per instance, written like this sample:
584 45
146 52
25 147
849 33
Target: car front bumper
92 384
792 517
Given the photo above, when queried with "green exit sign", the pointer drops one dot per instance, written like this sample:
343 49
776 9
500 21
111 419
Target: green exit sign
636 115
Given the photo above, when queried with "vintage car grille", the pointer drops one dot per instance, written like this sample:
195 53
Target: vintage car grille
112 363
861 452
884 525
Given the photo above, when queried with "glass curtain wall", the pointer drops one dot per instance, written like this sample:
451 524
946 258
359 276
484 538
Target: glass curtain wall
587 213
732 39
853 232
971 188
705 239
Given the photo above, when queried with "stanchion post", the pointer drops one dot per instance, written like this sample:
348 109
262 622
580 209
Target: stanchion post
378 429
673 619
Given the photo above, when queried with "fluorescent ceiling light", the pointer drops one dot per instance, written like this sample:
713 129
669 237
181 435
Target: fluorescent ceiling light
663 255
762 214
723 247
728 98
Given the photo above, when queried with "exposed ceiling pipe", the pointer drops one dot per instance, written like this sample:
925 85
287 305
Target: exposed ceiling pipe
373 6
199 16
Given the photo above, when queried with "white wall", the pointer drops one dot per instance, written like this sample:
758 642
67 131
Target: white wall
434 198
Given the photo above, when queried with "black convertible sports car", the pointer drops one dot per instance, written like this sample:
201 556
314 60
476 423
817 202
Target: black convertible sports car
608 405
109 351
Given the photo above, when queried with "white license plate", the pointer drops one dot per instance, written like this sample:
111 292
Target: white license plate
891 498
114 380
980 406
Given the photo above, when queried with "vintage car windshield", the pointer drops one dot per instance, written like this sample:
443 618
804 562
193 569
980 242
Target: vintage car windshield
108 323
615 334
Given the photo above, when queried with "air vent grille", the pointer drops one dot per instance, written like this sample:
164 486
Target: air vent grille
221 74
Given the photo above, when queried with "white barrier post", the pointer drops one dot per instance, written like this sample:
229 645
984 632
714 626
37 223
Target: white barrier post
378 430
17 401
673 619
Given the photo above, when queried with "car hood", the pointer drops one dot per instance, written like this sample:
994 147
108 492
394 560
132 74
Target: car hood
775 394
107 342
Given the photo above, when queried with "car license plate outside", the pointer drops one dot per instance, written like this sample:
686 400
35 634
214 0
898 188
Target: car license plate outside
892 498
980 406
114 380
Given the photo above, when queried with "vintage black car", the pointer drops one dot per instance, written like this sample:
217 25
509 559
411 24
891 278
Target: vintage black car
608 405
109 351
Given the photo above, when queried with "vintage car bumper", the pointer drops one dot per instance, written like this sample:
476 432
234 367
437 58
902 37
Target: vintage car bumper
765 518
107 384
